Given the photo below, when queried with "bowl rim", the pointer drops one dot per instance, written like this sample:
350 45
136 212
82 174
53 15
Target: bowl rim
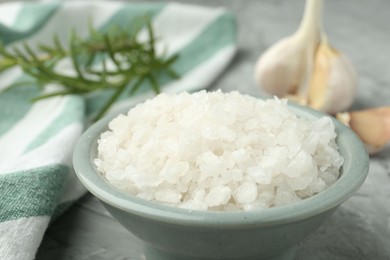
354 172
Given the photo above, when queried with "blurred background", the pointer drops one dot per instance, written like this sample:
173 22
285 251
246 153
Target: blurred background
360 228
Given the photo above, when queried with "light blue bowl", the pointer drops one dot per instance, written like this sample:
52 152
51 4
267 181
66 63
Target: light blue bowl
171 233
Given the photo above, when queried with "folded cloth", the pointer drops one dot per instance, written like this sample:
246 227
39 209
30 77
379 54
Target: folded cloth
36 139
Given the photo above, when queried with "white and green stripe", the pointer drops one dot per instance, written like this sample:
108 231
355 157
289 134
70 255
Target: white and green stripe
20 238
36 139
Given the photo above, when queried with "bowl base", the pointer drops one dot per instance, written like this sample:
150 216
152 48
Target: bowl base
155 254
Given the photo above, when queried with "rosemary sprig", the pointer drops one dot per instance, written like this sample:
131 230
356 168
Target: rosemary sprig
132 63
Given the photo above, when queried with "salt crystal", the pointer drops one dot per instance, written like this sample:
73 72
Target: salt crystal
172 172
260 175
301 163
246 192
141 180
285 195
168 196
234 175
218 196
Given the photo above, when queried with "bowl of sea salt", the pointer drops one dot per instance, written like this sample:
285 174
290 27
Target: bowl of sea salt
214 175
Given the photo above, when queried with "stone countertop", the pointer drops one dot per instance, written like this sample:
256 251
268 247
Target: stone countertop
360 228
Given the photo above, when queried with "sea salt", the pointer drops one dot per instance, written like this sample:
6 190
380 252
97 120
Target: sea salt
218 151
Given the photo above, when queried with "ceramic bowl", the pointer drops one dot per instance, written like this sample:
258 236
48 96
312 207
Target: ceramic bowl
171 233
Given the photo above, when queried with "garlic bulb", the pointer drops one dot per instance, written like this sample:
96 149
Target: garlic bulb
333 83
371 125
304 68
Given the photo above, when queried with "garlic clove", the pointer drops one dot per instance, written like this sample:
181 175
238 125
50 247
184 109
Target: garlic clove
282 69
332 87
371 125
285 68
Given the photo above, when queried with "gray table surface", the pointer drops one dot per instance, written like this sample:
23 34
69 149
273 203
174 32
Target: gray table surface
360 228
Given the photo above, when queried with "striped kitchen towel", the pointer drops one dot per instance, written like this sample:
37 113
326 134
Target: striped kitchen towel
36 139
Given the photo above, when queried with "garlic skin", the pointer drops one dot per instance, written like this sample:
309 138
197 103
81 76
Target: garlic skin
283 68
371 125
306 69
333 84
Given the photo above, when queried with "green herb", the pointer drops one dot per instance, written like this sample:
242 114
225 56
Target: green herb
115 60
